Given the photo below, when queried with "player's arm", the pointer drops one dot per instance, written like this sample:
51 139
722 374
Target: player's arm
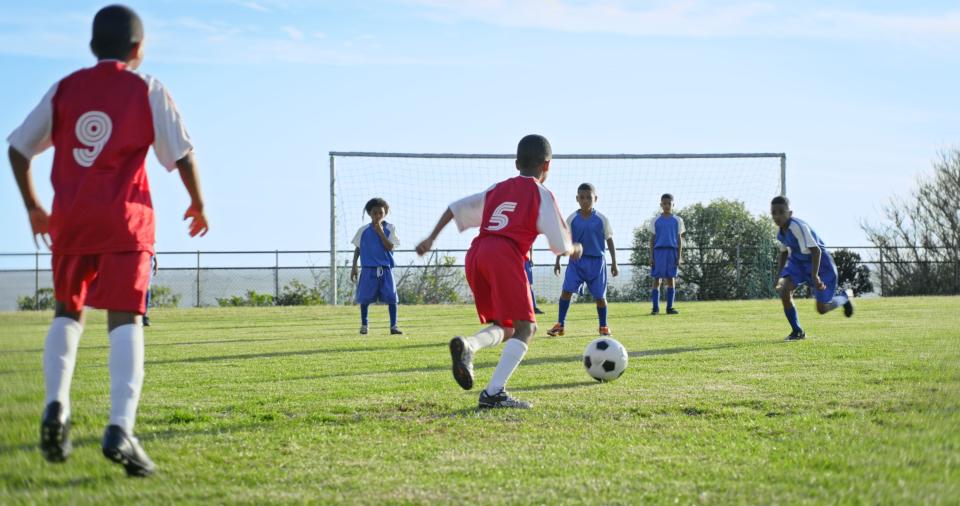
426 244
353 270
781 259
467 212
680 250
187 167
39 219
378 228
815 256
613 257
556 266
653 240
552 225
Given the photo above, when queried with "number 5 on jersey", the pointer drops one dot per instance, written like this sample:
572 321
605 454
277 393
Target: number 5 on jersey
499 220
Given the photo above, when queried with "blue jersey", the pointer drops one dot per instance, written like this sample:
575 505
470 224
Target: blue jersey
797 240
667 231
591 232
372 252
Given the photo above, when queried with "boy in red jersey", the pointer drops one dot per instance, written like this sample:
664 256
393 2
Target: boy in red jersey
101 122
510 215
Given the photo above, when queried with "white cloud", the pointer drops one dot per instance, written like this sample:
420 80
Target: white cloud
255 6
292 32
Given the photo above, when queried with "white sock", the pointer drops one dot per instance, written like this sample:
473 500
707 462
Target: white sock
126 374
510 358
485 338
840 299
59 359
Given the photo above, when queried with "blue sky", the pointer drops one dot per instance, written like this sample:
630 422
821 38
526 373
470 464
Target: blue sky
861 95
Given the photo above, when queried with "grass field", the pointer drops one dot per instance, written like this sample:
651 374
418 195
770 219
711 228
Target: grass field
278 405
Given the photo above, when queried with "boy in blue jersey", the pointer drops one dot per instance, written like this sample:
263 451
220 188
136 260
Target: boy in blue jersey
593 231
666 252
374 247
804 259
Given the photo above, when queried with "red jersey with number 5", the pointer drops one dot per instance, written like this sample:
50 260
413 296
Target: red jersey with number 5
519 208
101 121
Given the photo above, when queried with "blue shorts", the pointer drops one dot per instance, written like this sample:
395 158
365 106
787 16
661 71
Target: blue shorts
664 263
802 273
528 267
589 270
376 283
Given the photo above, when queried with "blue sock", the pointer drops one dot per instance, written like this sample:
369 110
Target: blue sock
671 295
564 306
393 314
602 313
791 314
364 309
655 297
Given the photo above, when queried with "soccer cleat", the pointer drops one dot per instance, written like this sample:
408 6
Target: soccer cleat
501 400
363 329
462 356
124 449
605 331
848 305
670 310
537 310
557 330
796 335
654 312
55 435
146 321
395 330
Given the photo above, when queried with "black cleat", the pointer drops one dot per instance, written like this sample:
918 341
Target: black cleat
796 335
654 312
501 400
395 331
537 310
848 305
462 357
146 321
124 449
363 329
55 434
670 310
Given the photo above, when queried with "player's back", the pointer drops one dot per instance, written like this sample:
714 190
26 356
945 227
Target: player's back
511 208
798 238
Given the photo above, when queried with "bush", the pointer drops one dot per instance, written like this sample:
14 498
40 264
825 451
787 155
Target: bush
163 296
251 299
437 282
298 294
43 300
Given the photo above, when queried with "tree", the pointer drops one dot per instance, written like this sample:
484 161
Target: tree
439 281
851 272
919 240
43 300
727 254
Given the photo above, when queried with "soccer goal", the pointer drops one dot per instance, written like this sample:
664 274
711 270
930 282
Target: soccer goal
418 188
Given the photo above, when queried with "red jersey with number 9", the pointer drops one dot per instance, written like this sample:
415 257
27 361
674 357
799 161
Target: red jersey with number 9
101 122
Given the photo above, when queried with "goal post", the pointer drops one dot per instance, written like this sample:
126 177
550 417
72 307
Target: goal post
418 186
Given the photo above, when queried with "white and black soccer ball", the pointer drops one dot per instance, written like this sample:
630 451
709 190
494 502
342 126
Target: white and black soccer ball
605 359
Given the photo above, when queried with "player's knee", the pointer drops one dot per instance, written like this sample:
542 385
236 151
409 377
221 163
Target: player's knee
822 308
60 311
566 295
602 302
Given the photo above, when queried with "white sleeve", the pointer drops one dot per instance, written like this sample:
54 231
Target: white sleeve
34 136
680 228
356 238
783 247
607 229
570 219
170 139
652 225
394 240
468 211
550 223
803 235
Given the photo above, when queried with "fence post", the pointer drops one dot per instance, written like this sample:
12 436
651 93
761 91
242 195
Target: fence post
333 231
198 278
36 281
276 276
737 265
882 273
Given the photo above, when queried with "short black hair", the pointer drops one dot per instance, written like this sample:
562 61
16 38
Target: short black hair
116 31
533 151
376 202
586 186
780 199
666 196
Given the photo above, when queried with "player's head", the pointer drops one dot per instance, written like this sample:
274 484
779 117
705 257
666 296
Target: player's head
586 196
377 208
117 35
780 210
533 156
666 203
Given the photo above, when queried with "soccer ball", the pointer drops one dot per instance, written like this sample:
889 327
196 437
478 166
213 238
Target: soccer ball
605 359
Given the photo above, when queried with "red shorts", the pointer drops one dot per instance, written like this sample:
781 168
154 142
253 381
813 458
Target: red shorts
112 281
498 282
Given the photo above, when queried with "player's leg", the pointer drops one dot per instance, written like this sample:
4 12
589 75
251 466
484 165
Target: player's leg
655 296
367 290
495 394
388 294
564 307
528 267
71 277
121 285
461 349
671 295
785 287
831 298
597 284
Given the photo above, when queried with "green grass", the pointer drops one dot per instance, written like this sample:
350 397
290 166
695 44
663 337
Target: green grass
290 405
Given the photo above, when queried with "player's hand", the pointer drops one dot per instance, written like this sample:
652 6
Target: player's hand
40 225
378 225
819 283
424 246
614 270
577 251
198 221
679 260
556 269
353 274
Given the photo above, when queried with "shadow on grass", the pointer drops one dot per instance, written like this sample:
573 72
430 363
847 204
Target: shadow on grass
276 354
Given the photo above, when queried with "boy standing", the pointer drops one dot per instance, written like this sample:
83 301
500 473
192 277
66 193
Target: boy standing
510 215
374 243
101 122
804 259
666 250
593 231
